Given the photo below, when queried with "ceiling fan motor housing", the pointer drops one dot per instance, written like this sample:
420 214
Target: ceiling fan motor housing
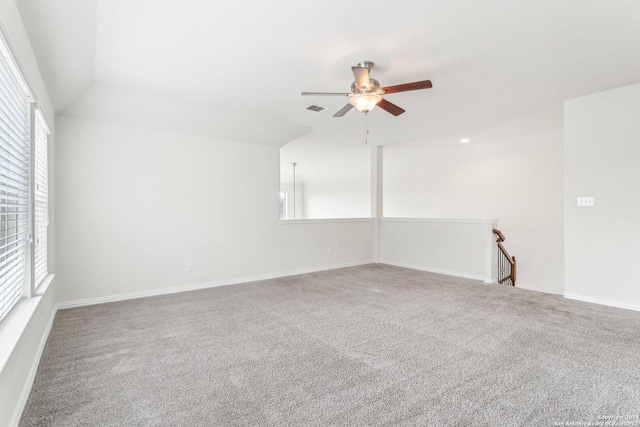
373 87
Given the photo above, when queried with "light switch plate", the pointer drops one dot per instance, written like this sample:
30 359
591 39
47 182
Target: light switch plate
586 201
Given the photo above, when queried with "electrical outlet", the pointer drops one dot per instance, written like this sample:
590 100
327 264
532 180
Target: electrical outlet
440 255
586 201
190 266
328 251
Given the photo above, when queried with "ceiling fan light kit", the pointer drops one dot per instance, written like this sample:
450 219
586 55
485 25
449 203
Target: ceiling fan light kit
366 92
365 102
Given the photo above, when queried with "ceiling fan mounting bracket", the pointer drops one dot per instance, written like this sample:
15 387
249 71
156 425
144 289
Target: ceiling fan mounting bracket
366 64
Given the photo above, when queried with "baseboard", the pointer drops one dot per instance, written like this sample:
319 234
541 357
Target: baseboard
185 288
26 390
602 302
436 270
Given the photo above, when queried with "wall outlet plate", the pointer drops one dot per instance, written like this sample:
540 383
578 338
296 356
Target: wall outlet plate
586 201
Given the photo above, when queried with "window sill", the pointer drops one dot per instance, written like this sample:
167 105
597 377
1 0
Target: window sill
15 323
44 285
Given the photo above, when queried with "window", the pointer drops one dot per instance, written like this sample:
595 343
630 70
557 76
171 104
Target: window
283 205
23 187
40 199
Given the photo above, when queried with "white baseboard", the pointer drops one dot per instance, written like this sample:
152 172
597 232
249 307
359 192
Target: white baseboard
603 302
26 390
436 270
185 288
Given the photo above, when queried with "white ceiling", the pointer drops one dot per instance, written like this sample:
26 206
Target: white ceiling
498 67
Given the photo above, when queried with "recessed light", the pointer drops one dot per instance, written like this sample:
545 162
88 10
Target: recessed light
464 140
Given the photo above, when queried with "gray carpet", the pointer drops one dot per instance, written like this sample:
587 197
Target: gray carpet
370 345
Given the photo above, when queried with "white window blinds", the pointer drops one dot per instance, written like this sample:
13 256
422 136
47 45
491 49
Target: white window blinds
40 199
15 114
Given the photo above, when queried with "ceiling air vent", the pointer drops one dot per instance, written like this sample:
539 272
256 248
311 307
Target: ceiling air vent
315 108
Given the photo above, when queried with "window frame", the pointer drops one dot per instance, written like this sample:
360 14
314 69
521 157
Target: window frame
284 206
14 77
38 124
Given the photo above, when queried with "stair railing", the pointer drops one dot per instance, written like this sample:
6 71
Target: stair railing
506 262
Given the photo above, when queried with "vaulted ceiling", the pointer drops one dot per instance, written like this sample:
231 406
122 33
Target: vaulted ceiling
236 69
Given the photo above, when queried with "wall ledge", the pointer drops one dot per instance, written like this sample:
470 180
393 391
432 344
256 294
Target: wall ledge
324 221
444 220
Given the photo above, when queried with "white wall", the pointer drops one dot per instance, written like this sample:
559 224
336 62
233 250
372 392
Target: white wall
28 323
517 180
460 247
602 159
136 205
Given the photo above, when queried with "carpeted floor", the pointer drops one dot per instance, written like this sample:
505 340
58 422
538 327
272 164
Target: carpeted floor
370 345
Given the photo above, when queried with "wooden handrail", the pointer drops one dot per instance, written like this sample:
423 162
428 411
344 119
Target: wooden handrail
498 233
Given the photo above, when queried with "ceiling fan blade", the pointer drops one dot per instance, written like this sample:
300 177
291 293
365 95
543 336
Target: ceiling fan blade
362 76
390 107
425 84
344 110
325 94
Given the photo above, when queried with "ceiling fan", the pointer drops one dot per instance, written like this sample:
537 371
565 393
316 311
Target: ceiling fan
366 92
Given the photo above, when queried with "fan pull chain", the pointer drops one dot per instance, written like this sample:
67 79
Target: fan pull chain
366 129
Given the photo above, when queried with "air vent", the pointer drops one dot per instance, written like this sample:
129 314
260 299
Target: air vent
315 108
